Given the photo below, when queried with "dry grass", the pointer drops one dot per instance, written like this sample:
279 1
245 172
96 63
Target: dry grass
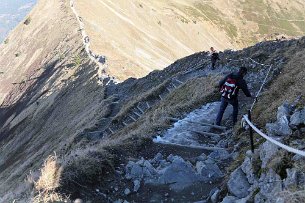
191 95
48 182
286 87
292 196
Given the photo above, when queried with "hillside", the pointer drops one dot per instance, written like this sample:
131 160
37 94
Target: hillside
140 36
64 134
11 13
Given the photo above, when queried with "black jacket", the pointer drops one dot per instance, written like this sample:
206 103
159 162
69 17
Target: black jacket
215 56
240 82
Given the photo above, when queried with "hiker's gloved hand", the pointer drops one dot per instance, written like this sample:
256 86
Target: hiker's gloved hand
244 124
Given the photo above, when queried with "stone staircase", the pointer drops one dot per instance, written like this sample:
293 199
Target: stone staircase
141 107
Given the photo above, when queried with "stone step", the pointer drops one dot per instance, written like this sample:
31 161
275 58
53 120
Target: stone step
140 109
205 133
127 120
201 123
195 147
151 103
132 117
171 86
179 81
143 106
137 113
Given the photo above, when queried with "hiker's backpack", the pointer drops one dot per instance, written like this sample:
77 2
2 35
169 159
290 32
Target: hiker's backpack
229 88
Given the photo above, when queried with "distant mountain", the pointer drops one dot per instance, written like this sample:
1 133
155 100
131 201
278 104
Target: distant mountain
140 36
11 13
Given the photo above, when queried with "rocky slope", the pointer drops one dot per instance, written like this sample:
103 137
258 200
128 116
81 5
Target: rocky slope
140 36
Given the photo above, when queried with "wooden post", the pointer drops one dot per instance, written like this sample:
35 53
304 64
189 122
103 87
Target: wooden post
251 132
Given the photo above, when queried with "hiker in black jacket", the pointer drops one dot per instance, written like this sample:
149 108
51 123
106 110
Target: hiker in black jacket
214 57
230 86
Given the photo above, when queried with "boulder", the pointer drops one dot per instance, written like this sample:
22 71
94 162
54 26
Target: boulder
127 191
267 151
179 175
279 128
219 155
209 171
298 118
139 170
229 199
284 111
136 185
247 168
238 184
270 184
215 195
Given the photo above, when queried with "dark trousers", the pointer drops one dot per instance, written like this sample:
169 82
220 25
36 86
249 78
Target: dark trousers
213 61
223 106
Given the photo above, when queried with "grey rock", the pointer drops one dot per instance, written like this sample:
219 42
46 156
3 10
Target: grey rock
279 128
259 198
222 144
215 196
219 155
127 191
284 111
292 178
209 171
140 169
136 185
267 151
270 184
202 157
78 201
298 158
238 184
157 159
298 118
229 199
179 175
247 168
170 158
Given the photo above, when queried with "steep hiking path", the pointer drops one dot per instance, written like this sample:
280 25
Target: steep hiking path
191 156
100 61
186 162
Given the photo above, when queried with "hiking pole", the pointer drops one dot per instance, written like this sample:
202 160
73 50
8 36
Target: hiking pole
251 132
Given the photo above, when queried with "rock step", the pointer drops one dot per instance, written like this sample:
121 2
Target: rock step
201 123
176 80
107 132
132 117
171 87
116 126
143 106
127 120
206 133
137 112
140 109
151 103
164 94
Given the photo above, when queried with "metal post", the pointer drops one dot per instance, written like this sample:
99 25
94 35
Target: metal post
251 132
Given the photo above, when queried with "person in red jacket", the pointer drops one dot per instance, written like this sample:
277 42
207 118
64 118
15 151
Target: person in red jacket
230 86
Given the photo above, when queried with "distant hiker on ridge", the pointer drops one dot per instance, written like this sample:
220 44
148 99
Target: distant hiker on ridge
229 88
214 57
